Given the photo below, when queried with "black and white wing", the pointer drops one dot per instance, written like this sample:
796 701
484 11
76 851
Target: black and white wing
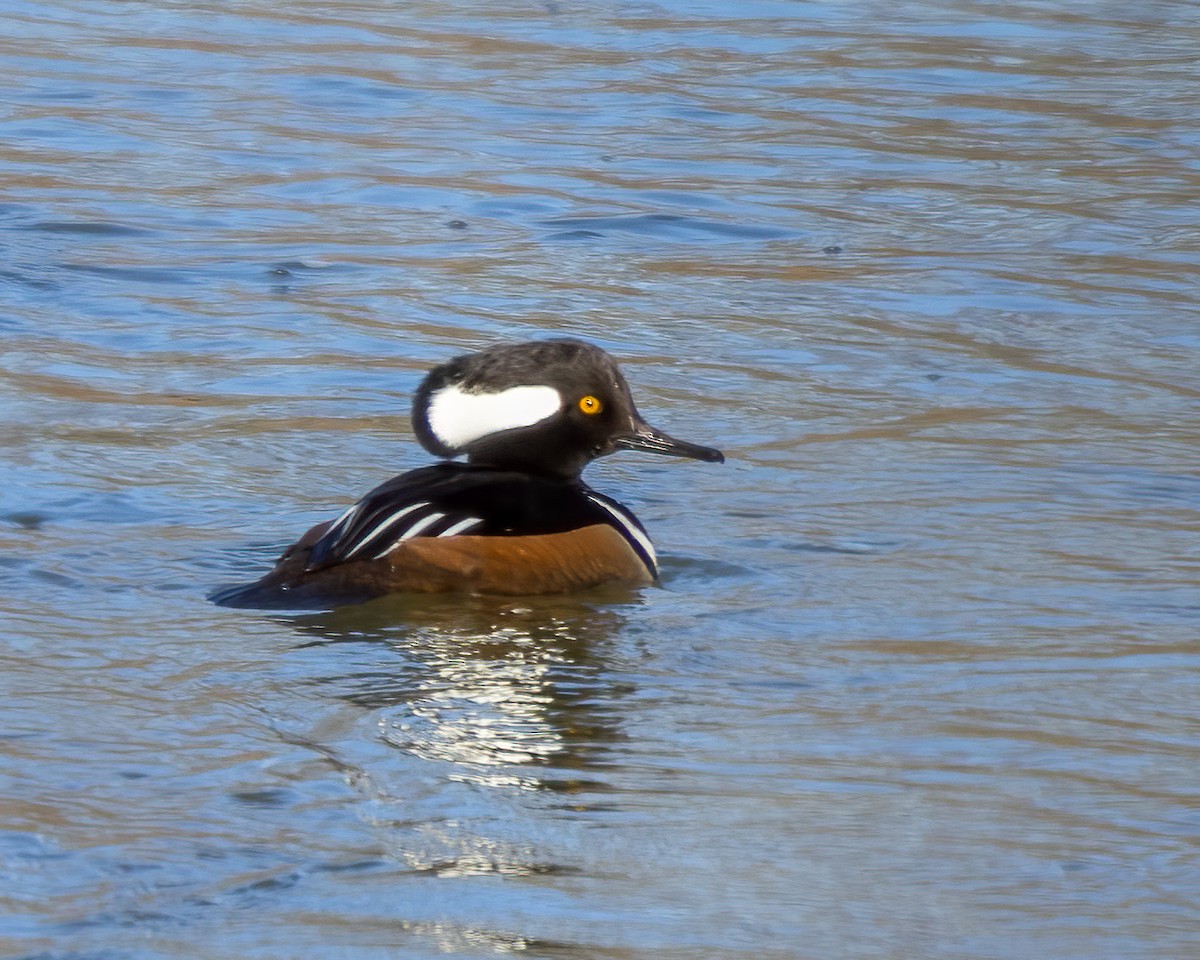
406 507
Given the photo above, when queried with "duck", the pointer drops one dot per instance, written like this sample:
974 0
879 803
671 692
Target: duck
514 516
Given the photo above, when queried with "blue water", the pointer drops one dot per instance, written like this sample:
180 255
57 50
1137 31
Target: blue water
920 680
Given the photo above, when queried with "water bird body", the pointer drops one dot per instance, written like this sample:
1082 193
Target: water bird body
516 517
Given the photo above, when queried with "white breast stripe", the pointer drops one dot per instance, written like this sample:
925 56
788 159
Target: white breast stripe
380 528
460 527
457 417
631 529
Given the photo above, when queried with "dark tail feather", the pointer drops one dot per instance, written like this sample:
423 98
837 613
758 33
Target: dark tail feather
260 595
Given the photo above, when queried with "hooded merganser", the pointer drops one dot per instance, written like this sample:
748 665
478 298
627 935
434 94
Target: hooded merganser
516 518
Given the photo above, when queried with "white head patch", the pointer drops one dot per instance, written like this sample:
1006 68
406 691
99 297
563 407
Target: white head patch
458 418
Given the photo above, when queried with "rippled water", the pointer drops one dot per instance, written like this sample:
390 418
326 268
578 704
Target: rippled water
921 680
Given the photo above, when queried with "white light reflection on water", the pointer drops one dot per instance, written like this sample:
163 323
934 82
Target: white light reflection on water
485 717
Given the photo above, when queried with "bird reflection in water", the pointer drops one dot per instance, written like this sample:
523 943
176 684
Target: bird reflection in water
486 709
505 695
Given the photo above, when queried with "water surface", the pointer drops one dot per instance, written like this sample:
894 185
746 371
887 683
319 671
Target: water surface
921 678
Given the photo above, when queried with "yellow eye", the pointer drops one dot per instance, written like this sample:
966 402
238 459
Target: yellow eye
590 405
